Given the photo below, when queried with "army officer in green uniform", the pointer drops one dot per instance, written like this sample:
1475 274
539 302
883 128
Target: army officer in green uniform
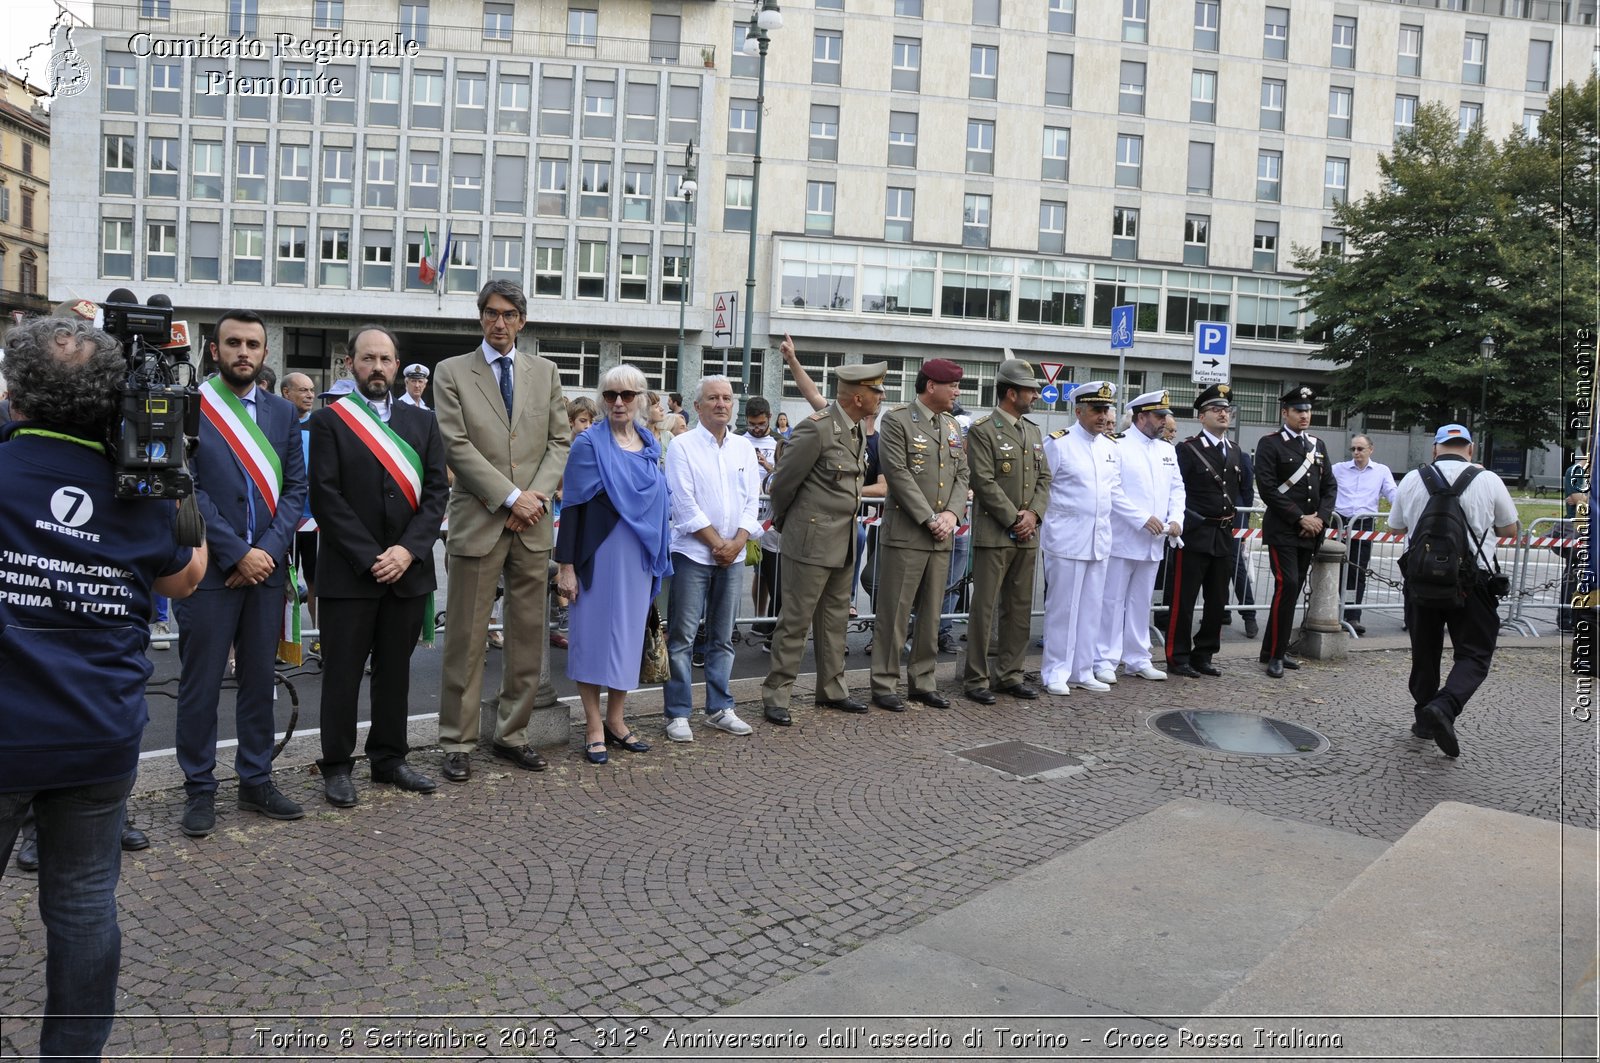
1010 491
815 491
922 455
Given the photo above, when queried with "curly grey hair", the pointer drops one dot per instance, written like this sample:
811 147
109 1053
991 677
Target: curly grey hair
64 371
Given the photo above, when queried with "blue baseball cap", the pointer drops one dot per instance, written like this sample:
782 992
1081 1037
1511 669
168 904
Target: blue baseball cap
1452 433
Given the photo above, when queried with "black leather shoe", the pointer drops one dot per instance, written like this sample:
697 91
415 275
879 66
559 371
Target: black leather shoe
525 757
628 741
982 695
1444 729
457 767
1183 668
1291 664
1205 667
843 704
339 789
891 702
404 777
1356 626
1275 668
134 839
265 799
28 853
199 815
1422 730
931 697
777 716
1020 690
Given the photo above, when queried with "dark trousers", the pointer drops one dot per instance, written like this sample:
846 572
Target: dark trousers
1289 567
1474 629
1192 573
1355 572
353 629
1243 592
209 623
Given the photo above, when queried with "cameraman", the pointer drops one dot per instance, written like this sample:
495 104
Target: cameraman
76 575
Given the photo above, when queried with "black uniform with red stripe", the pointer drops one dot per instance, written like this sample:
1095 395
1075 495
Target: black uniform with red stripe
1211 475
1290 486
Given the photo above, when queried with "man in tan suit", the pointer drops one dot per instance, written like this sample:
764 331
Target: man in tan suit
923 456
815 491
504 423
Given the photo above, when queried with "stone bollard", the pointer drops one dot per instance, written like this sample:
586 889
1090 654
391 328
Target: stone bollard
551 722
1322 638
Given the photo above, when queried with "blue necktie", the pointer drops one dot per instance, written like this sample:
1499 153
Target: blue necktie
504 362
249 485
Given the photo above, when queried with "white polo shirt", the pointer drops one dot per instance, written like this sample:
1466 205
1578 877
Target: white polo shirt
1486 504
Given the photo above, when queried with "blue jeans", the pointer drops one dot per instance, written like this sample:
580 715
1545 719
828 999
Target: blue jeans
80 859
711 591
960 555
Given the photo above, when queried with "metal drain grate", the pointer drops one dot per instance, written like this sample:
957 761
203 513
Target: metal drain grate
1018 758
1238 732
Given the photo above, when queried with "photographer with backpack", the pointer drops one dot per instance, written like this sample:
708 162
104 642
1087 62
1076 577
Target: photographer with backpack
1448 508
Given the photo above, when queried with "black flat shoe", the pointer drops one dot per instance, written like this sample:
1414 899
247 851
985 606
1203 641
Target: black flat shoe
843 704
982 695
627 741
1206 668
596 752
1020 690
891 702
931 697
1275 668
1188 671
457 767
1291 664
777 716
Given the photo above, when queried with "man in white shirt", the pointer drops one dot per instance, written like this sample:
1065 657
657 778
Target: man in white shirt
1150 479
714 490
1362 483
1475 625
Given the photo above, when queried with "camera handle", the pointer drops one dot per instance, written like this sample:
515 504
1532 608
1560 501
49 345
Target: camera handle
191 526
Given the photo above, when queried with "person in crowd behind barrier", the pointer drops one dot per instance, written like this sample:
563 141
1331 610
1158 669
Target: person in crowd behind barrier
1212 467
677 417
815 492
1362 482
1148 467
1010 489
504 423
659 422
757 420
298 389
267 379
714 484
380 485
250 483
1475 625
75 672
1294 483
781 427
416 382
614 550
1243 591
581 413
1085 494
924 457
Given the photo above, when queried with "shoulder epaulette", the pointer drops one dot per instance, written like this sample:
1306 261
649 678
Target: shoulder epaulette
820 415
1059 432
1028 420
982 419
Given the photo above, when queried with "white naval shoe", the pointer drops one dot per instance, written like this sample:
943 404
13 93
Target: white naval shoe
1107 676
1093 684
1060 690
1150 672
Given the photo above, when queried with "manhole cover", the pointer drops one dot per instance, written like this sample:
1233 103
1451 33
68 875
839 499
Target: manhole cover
1238 732
1018 758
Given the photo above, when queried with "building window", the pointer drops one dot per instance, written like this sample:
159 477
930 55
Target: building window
514 99
249 248
983 71
1469 115
1335 181
1273 92
203 102
1052 227
205 243
736 205
427 100
641 107
827 54
338 177
1269 176
899 214
1136 20
1265 256
905 74
1063 16
242 16
665 35
683 114
980 146
162 182
549 268
161 9
461 272
166 88
290 264
250 173
633 276
1409 59
1207 24
116 248
984 12
472 103
1124 233
511 184
422 184
1130 95
122 86
466 182
28 271
300 108
555 106
327 14
744 66
120 165
1130 160
553 174
27 210
599 109
975 220
497 22
819 208
908 8
1203 96
1474 56
206 179
1196 240
1200 166
414 21
1530 124
583 27
1193 297
1275 35
383 165
674 207
1340 105
1538 66
638 191
1056 150
741 127
594 189
160 251
977 287
1058 79
1344 42
377 259
902 138
1405 114
824 142
591 269
674 272
1333 241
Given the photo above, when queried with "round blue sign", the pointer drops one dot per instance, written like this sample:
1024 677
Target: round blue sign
1049 394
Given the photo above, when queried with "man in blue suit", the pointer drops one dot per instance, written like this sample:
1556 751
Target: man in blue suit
250 481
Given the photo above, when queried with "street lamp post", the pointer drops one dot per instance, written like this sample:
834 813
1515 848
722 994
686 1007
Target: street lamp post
686 189
1486 352
764 18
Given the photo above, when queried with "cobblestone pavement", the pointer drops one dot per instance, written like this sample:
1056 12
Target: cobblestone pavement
573 908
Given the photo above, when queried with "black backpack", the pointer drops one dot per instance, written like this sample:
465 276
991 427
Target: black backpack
1440 565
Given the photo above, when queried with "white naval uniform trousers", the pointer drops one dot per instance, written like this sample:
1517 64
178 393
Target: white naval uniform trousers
1154 487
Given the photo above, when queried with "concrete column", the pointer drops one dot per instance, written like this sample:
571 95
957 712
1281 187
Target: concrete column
551 722
691 367
1322 638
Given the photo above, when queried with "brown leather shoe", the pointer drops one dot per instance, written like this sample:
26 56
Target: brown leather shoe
525 757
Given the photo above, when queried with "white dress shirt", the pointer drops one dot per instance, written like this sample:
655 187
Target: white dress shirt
1485 503
1360 489
711 484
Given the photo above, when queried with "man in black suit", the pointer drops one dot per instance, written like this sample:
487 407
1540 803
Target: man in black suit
379 489
1209 465
1295 482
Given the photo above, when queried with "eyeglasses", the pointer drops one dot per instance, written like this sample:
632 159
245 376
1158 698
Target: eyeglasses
613 396
1359 450
507 316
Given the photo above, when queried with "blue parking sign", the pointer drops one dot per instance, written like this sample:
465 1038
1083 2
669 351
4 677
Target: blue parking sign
1121 327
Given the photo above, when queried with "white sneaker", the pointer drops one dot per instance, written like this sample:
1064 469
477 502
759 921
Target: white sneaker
1150 672
727 720
1094 684
678 730
1107 676
1060 690
161 635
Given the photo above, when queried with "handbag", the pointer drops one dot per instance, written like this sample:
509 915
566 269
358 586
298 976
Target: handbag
653 662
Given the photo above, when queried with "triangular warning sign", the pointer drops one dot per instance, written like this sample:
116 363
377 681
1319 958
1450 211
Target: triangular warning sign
1051 370
722 323
722 304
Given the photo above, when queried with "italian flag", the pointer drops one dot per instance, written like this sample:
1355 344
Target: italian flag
395 455
426 273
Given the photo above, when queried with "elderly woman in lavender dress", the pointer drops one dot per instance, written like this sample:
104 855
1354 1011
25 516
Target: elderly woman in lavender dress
613 550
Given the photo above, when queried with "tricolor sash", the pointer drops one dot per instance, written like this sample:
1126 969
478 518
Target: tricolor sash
393 453
226 413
